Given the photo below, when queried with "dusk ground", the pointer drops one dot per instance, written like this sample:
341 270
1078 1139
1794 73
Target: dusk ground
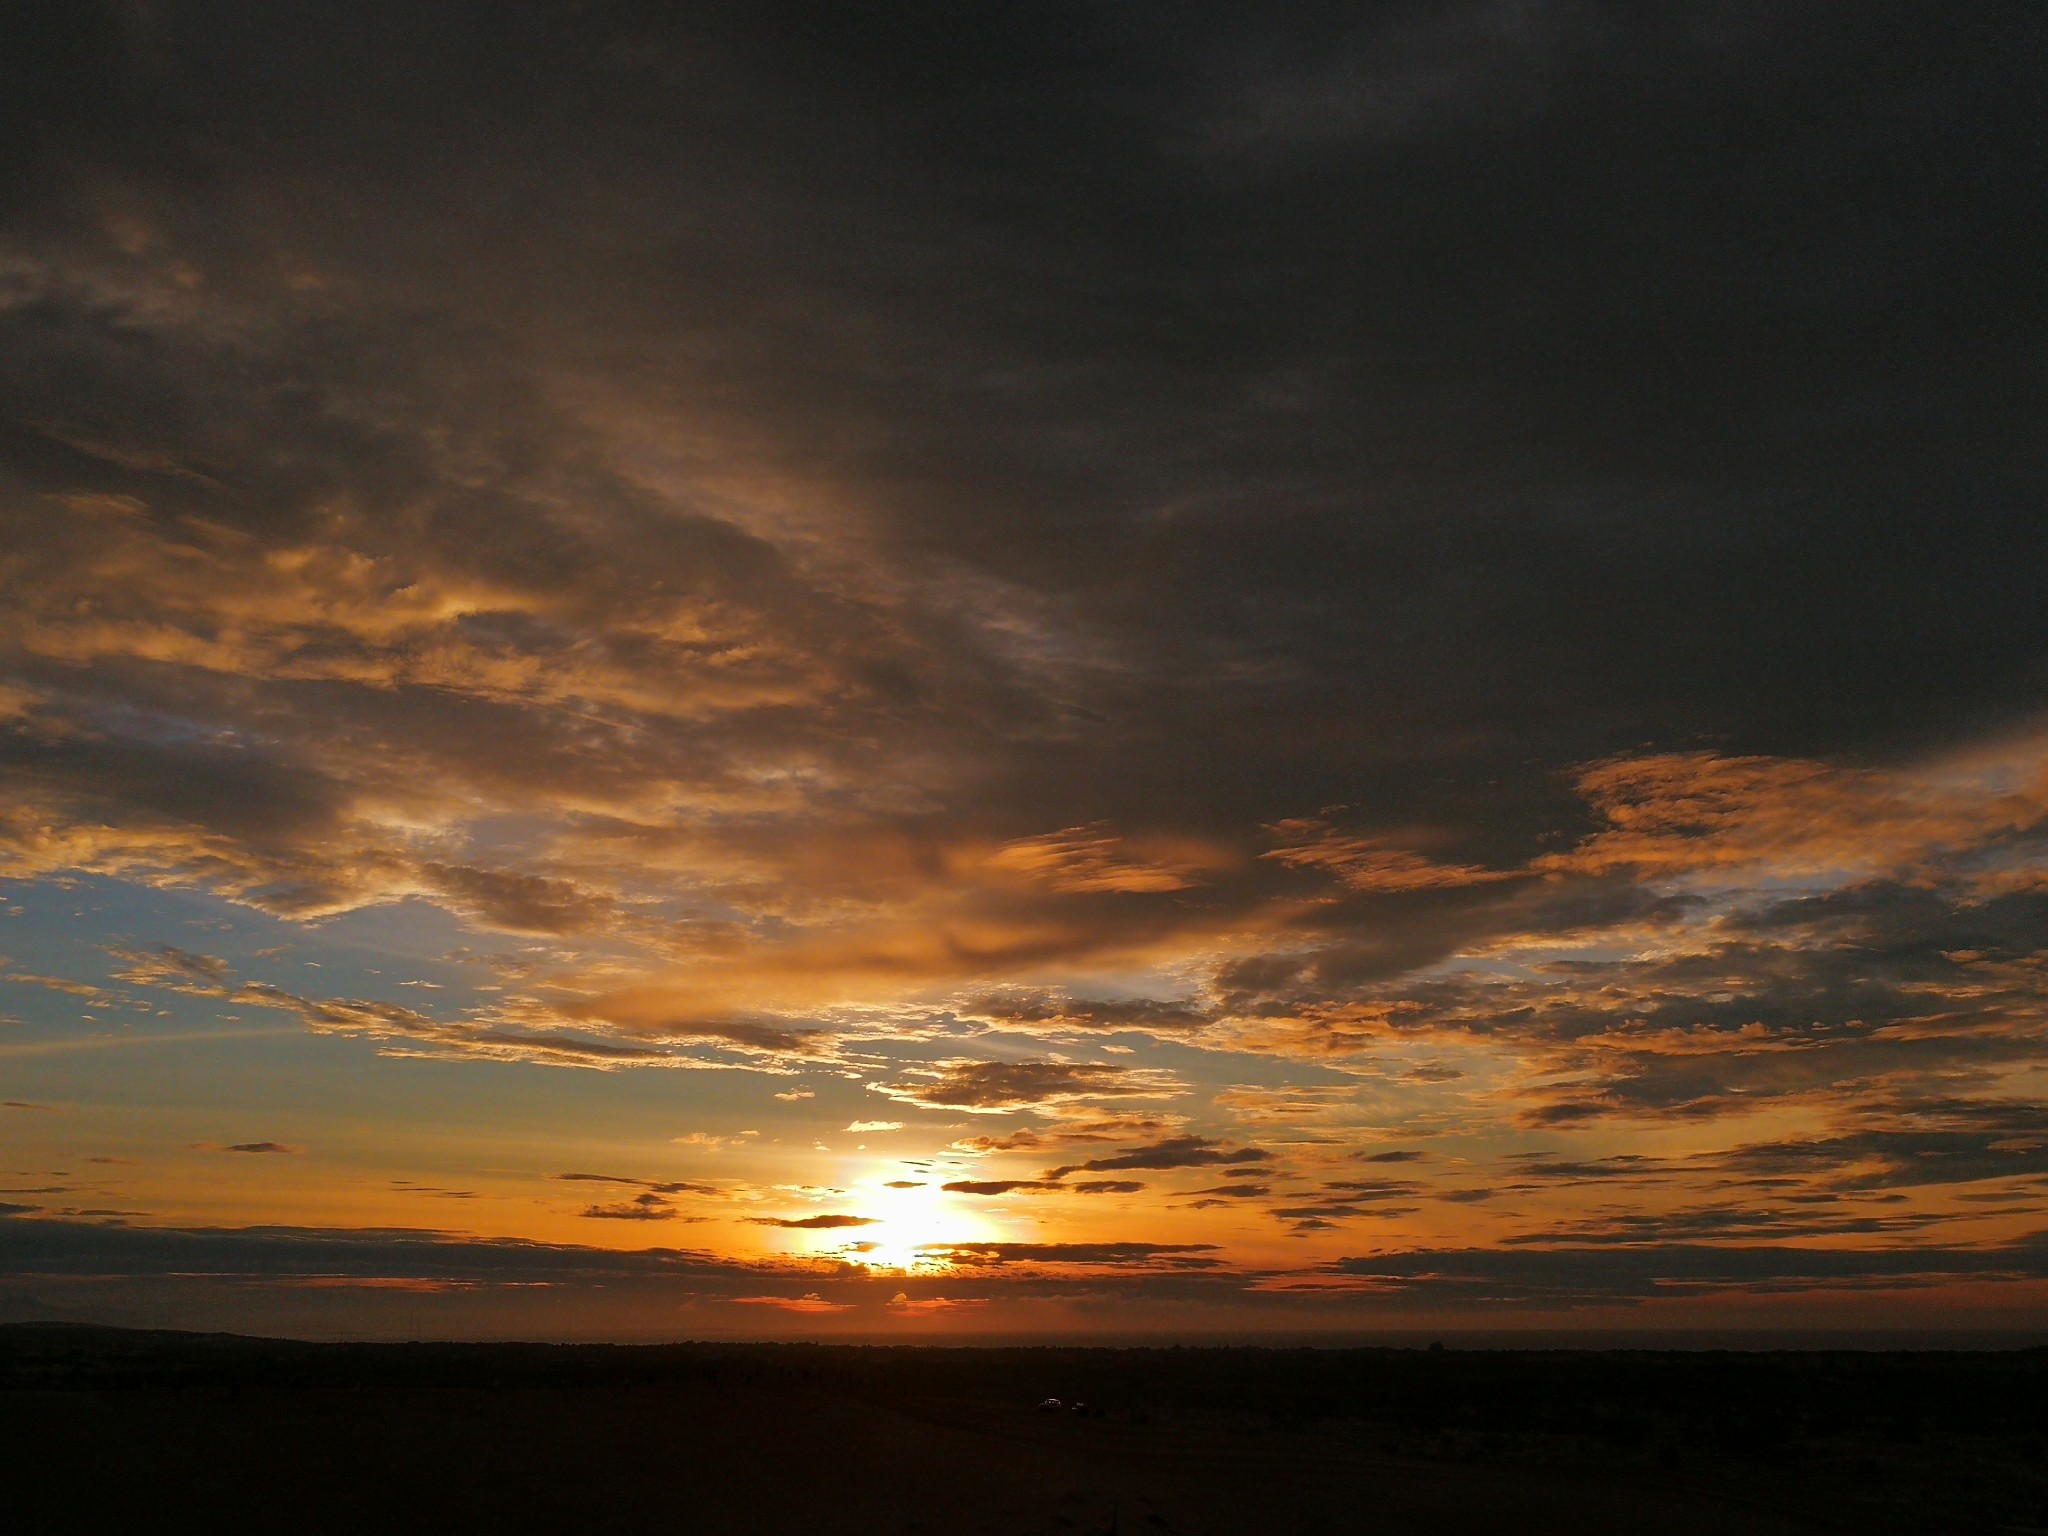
108 1430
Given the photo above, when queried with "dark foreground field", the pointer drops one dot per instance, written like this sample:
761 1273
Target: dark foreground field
110 1431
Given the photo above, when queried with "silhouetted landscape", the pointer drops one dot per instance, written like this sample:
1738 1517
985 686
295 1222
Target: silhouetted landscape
108 1429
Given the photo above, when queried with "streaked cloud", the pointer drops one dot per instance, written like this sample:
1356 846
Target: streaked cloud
992 1087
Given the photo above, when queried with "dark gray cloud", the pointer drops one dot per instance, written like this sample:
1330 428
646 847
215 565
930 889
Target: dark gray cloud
1911 1144
1373 1189
1298 391
1173 1152
652 1186
1337 1210
643 1207
1147 1014
1588 1274
812 1223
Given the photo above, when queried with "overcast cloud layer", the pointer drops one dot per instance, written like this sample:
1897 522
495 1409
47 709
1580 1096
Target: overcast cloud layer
1398 647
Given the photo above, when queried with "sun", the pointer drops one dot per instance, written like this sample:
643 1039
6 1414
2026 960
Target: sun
909 1223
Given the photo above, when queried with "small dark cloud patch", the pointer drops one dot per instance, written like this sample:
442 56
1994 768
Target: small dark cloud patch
1045 1012
1567 1171
812 1223
433 1191
1363 1190
1339 1210
643 1207
996 1186
1012 1186
517 903
653 1186
1173 1152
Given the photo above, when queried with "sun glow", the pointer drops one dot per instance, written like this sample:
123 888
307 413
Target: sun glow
911 1221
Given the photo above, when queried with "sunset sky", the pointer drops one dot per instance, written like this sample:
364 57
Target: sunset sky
1071 669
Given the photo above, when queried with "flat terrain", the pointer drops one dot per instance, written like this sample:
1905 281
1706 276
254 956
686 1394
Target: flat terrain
103 1431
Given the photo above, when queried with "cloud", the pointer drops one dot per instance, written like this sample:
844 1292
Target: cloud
256 1147
511 902
934 1306
434 1191
643 1207
176 969
1040 1013
1011 1186
1295 1103
1581 1275
159 1255
1094 859
1356 1190
1172 1256
1367 863
508 1036
813 1223
1328 1211
809 1304
990 1087
1698 812
62 984
861 1126
1173 1152
1068 1133
652 1186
